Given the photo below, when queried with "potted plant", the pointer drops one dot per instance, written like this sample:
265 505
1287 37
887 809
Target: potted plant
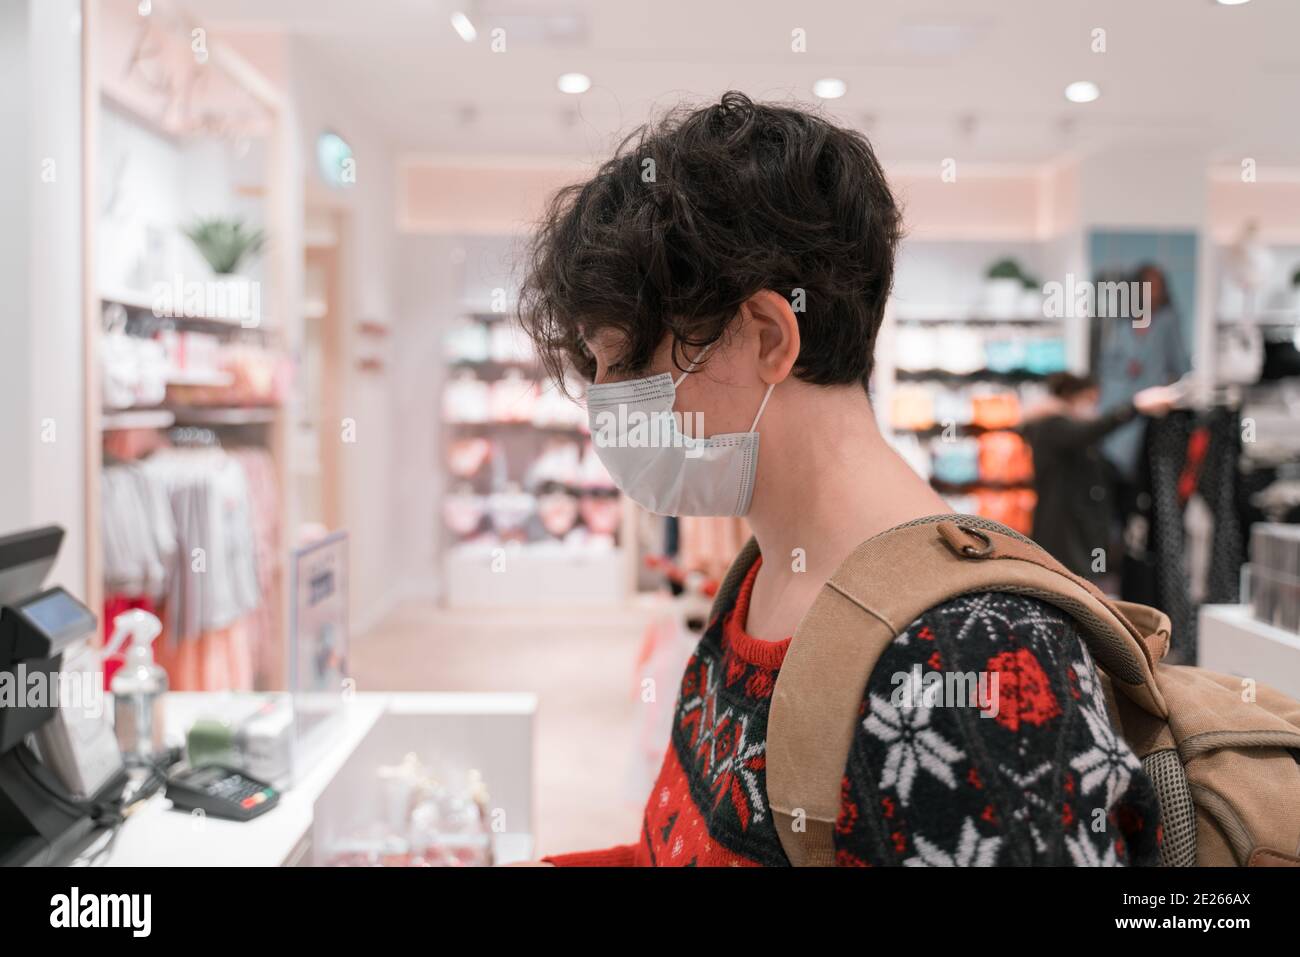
1031 297
1003 286
226 244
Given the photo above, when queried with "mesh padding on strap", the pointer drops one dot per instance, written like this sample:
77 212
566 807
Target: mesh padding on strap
1177 813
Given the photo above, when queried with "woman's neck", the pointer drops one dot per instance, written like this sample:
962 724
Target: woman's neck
827 481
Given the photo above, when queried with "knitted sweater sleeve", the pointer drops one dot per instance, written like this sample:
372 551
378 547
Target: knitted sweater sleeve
621 855
983 739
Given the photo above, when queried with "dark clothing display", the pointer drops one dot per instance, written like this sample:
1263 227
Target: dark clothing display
1281 359
1075 486
1193 454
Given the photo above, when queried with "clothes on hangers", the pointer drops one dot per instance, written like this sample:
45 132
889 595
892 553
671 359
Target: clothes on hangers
216 584
139 535
1193 453
218 660
192 534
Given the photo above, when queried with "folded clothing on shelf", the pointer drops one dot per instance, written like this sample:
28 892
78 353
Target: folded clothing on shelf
508 343
952 406
960 350
466 340
466 455
912 407
955 462
1005 458
1045 355
463 511
1012 507
465 399
512 398
998 409
133 371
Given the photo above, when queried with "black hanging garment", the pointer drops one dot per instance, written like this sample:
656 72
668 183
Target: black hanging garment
1193 453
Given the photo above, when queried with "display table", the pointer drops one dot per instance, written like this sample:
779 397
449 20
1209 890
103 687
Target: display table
337 791
1232 642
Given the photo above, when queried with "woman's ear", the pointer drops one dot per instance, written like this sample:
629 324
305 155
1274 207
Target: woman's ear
772 326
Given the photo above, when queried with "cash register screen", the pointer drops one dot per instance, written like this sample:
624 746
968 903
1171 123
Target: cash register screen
57 612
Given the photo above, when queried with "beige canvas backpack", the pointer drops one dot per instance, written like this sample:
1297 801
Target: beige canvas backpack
1223 754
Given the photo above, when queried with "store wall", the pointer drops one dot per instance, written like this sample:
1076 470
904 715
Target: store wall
42 401
1271 200
373 515
970 204
426 298
151 184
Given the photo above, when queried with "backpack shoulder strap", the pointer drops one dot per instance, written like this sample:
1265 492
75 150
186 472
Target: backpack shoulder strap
880 589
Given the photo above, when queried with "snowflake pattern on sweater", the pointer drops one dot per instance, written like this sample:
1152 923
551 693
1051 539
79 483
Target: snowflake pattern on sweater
1044 781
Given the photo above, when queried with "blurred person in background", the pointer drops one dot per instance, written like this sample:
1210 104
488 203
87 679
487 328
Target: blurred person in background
1076 484
1137 351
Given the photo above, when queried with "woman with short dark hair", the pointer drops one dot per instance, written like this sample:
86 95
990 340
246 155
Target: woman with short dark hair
731 265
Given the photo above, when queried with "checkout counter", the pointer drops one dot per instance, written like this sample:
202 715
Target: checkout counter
328 812
349 794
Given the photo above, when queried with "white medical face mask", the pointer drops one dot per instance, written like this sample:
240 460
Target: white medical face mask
659 465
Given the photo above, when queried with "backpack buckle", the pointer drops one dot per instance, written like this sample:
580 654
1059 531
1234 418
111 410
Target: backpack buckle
952 535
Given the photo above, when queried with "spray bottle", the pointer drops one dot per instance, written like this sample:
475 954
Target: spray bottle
138 688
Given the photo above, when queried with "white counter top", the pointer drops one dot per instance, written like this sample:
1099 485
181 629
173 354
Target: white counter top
156 835
1231 641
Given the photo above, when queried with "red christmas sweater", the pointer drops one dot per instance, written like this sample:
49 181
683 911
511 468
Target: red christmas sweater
1046 781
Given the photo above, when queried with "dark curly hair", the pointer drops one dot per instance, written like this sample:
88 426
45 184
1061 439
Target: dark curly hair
695 214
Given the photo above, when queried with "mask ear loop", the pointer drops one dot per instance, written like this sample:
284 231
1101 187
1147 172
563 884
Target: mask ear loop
762 406
694 362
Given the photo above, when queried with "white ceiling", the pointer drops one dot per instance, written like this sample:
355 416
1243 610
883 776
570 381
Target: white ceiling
928 79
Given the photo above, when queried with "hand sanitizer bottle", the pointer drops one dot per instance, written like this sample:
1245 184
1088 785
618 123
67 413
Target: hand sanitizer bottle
138 688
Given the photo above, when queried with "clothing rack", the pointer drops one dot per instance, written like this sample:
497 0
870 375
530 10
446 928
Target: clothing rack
192 436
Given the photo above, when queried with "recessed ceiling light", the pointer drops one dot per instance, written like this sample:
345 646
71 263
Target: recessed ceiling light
829 88
1082 91
573 83
462 25
1232 3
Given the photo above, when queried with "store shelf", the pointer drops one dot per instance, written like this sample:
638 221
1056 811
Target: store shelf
212 377
128 297
137 419
1265 317
534 577
938 429
967 487
495 368
225 415
979 320
138 301
979 375
510 424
